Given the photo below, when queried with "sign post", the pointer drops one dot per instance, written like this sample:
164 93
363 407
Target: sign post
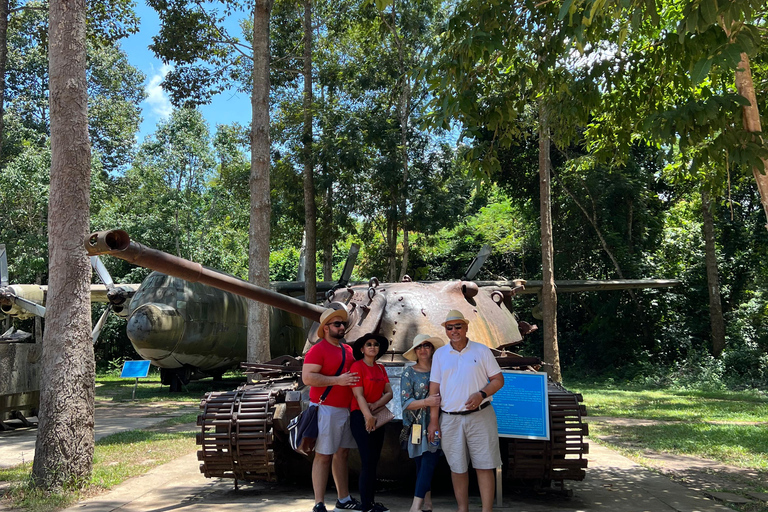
522 410
522 405
135 369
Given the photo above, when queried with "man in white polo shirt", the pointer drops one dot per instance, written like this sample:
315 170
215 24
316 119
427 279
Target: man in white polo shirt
465 375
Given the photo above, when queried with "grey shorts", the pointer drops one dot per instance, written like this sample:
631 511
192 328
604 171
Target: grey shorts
472 437
333 430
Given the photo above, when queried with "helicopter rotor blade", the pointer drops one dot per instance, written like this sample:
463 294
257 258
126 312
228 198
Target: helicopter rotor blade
100 324
103 273
477 263
29 306
3 266
349 265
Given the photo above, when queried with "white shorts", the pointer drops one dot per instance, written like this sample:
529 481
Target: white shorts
472 437
333 430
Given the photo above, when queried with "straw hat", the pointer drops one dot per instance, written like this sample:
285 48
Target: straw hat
455 315
420 339
357 346
328 315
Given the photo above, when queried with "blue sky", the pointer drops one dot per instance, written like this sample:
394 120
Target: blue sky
226 108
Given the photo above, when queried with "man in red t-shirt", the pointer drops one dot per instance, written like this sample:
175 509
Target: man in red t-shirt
334 439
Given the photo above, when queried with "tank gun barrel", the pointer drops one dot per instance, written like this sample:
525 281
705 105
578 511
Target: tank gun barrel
118 243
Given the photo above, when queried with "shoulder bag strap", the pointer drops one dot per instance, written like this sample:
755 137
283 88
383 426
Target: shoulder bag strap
338 372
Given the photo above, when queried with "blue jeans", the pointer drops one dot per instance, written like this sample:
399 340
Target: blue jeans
425 468
369 446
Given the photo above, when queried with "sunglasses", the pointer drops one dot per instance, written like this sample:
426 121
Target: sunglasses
458 327
374 344
338 324
425 345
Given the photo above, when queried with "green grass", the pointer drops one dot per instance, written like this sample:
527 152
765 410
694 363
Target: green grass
744 446
725 426
116 458
126 454
112 387
122 456
728 406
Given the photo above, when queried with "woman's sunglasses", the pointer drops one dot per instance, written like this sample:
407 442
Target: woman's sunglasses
425 345
374 344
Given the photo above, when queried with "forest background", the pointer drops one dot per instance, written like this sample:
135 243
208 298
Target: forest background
648 154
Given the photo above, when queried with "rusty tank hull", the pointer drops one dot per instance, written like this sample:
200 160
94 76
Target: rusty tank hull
243 433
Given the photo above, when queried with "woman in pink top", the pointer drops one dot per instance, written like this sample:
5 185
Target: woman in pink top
371 392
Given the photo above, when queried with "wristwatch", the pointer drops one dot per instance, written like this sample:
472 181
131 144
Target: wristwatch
485 395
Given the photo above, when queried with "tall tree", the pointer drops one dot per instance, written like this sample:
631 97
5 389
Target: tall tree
65 438
310 210
208 59
494 66
548 291
258 270
713 278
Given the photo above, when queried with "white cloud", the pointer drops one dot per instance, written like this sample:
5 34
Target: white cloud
157 99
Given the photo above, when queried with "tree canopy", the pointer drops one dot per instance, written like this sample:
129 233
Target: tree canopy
423 136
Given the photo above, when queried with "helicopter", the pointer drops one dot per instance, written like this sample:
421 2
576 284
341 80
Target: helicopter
191 330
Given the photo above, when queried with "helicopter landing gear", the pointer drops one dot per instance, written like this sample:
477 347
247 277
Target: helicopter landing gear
176 378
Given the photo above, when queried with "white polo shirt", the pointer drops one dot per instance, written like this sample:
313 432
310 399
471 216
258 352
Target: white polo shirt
462 373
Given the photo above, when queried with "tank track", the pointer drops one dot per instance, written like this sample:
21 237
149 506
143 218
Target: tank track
238 429
562 457
236 434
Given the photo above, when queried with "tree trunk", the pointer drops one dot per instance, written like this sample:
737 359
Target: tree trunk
258 254
746 88
65 436
548 292
713 279
310 223
392 244
4 16
328 238
405 109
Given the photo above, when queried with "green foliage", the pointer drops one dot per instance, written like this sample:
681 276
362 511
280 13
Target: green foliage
206 58
283 264
115 88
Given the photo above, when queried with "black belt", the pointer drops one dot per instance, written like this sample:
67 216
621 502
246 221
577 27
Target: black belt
462 413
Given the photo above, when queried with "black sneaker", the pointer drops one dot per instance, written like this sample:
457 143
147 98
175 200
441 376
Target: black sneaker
319 507
352 504
378 507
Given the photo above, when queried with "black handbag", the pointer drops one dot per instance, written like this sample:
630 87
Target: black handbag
405 435
302 430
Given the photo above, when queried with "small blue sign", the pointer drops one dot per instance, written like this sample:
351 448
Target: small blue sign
135 369
522 405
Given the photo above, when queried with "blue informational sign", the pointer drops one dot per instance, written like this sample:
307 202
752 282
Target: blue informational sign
135 369
522 405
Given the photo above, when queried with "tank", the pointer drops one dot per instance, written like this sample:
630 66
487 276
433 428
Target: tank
243 433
